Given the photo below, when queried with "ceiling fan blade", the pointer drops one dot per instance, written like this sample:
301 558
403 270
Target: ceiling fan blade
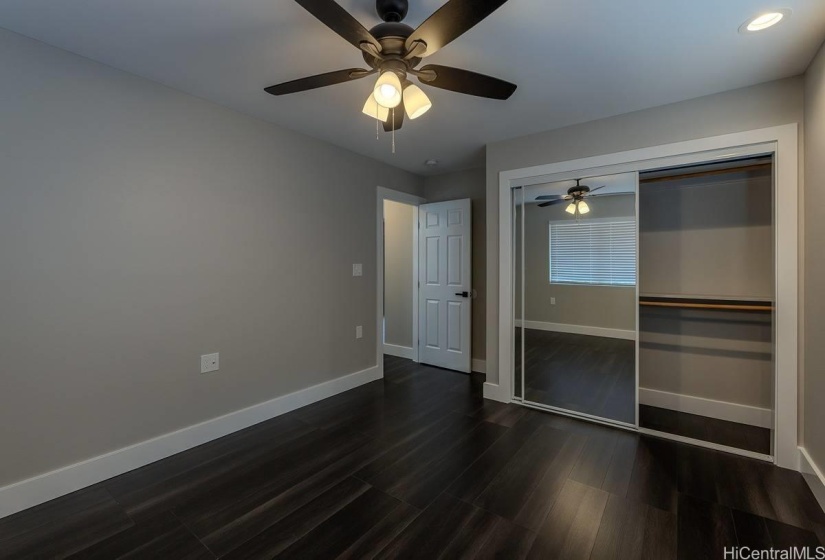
398 115
552 202
608 194
452 20
549 197
597 188
464 81
320 80
339 20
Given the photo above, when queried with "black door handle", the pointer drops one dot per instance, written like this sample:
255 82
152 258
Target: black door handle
463 294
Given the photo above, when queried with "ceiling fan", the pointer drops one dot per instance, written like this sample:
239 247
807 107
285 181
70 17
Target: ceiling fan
393 50
575 195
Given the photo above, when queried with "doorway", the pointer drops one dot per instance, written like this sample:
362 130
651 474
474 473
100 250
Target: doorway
400 280
396 249
424 280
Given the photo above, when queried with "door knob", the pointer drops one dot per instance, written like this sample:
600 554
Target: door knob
463 294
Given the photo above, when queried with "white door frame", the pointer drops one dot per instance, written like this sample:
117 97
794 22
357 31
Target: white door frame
383 194
782 141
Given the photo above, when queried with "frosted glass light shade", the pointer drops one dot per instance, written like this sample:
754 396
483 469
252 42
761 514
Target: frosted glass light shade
387 90
571 209
416 101
583 207
374 110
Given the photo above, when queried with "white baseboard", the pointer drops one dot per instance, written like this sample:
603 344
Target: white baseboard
813 476
33 491
721 410
480 366
398 351
493 392
578 329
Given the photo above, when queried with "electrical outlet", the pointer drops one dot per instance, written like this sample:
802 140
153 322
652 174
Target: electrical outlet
210 362
357 270
552 301
359 332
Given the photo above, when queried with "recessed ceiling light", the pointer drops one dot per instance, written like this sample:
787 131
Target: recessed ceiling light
764 20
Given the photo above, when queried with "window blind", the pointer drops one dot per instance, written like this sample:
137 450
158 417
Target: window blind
593 252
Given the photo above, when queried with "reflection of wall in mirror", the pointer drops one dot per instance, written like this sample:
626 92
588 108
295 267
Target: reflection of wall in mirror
611 307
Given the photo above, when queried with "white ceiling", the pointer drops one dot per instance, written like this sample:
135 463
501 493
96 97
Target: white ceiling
573 60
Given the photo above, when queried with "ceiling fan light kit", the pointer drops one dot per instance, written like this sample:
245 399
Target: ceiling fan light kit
387 90
394 50
374 110
416 101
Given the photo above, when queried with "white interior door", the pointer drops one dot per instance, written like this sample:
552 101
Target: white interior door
445 284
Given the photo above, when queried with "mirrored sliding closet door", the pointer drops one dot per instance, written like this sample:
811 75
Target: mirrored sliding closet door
706 303
575 296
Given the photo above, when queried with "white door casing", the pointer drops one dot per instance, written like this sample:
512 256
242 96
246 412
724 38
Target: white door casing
445 284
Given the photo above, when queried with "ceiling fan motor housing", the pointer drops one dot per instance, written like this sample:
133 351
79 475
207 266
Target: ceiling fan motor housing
393 36
578 191
392 10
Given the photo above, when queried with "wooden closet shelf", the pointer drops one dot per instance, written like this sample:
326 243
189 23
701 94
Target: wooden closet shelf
729 305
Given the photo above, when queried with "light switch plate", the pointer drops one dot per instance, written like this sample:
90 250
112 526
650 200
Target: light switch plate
210 362
359 332
357 270
552 301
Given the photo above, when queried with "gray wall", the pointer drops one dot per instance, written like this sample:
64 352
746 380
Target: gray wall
399 220
469 184
611 307
814 332
718 355
765 105
708 237
140 228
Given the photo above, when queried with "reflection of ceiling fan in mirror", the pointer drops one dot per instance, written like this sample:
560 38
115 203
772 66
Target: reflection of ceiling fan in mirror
575 195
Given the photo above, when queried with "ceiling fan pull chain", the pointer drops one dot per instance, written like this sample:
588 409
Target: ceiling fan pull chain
377 129
393 130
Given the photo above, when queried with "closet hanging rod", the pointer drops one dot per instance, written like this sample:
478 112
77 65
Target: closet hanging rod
729 305
697 174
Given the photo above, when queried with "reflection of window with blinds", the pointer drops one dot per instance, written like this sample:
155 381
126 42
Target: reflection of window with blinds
600 252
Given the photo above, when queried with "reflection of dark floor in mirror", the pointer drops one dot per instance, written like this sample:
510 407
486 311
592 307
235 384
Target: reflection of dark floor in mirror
587 374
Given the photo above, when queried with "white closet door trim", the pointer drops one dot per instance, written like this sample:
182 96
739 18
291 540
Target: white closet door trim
782 141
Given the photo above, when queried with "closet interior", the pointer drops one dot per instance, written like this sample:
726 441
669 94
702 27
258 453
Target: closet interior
706 311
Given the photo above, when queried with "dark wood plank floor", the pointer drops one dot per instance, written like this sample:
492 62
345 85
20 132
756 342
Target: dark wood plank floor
731 434
418 465
588 374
